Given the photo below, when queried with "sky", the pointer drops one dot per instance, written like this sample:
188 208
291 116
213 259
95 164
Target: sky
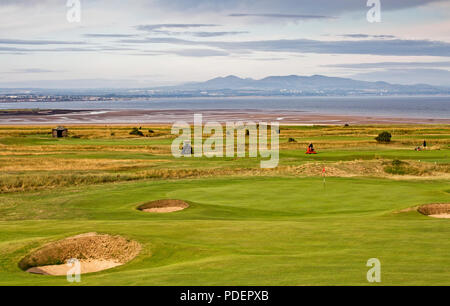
149 43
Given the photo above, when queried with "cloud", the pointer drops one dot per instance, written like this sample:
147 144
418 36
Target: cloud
284 7
262 6
153 27
372 47
34 70
167 29
384 65
437 77
186 52
217 34
38 42
21 51
285 16
397 47
160 40
27 2
197 52
201 34
78 83
97 35
366 36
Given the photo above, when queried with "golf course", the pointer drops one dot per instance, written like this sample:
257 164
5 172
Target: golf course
313 220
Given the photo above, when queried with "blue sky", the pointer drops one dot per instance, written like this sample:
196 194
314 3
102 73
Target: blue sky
140 43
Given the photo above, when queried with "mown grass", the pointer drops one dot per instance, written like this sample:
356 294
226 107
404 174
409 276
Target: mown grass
242 231
245 225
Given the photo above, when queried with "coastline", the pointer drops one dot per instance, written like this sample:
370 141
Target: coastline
166 116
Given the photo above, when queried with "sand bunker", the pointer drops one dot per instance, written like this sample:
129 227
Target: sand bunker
435 210
87 266
95 252
164 206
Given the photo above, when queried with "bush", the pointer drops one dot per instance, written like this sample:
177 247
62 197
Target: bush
135 131
399 167
384 137
397 163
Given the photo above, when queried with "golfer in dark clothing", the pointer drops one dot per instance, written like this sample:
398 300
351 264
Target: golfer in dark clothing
424 144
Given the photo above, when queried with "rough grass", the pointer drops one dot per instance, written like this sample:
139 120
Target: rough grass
30 159
399 167
71 164
46 180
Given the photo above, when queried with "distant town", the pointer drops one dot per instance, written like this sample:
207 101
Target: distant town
51 98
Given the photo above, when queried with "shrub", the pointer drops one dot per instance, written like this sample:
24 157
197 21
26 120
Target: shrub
397 163
399 167
135 131
384 137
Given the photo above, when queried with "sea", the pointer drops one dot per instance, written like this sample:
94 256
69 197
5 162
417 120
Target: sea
436 107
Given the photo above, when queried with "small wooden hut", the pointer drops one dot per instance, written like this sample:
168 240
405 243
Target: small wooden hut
60 131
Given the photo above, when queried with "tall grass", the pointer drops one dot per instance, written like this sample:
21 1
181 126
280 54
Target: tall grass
374 168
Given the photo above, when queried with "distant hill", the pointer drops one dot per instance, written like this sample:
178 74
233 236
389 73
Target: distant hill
310 84
290 85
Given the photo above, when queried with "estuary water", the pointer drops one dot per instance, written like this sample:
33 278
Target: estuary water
437 107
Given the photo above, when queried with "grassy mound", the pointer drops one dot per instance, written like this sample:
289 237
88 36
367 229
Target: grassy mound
435 209
91 246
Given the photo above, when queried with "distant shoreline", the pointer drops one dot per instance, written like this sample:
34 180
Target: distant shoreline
169 116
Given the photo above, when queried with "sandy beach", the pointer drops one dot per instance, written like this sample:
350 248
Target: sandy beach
46 117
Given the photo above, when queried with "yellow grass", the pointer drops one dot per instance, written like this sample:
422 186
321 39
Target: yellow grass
24 166
373 168
64 164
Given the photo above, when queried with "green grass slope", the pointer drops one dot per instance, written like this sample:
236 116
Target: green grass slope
241 231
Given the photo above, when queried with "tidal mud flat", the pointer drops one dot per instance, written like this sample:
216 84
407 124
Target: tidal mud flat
134 116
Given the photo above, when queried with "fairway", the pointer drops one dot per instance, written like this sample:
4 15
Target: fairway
244 225
229 152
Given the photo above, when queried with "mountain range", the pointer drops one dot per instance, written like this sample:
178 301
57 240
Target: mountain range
290 85
309 84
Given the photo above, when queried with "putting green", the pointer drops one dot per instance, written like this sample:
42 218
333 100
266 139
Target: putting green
241 231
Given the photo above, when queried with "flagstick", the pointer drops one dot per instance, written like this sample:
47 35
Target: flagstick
324 181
